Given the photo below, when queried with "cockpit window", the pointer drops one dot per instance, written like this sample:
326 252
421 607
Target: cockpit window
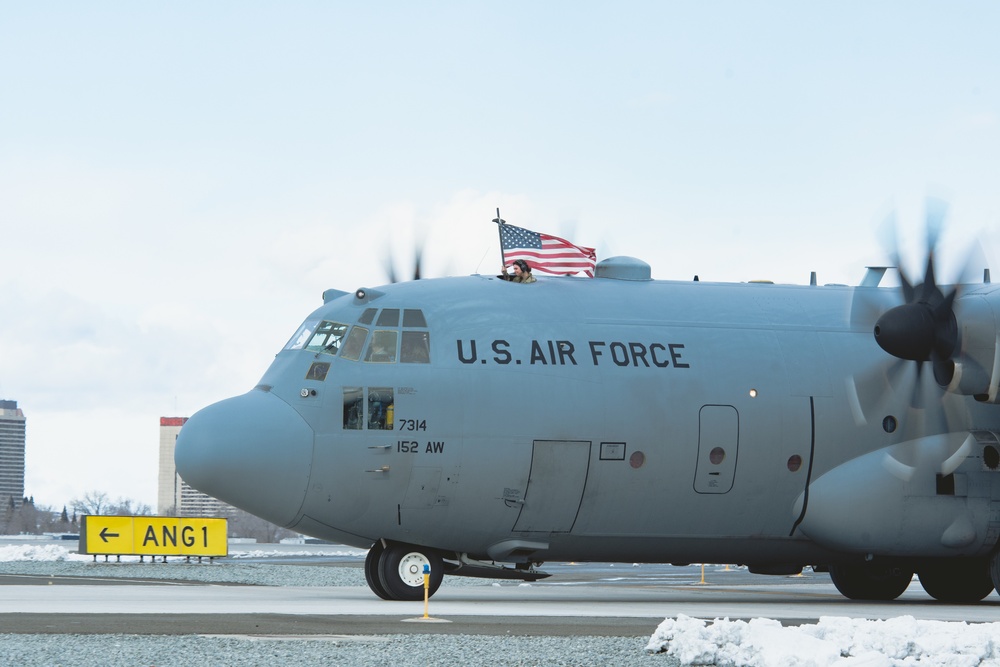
389 343
383 347
416 348
388 318
298 340
414 318
355 342
327 338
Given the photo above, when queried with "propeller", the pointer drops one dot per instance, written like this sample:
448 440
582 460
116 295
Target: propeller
390 267
921 330
924 328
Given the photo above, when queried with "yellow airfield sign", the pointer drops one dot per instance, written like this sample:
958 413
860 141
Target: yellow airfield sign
153 536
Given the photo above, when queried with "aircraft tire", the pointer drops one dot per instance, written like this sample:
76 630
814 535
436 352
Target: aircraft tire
401 571
959 580
870 581
995 567
371 570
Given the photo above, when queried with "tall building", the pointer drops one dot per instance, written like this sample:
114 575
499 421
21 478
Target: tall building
174 497
11 453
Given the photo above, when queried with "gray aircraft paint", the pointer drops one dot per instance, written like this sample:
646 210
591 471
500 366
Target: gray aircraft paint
575 419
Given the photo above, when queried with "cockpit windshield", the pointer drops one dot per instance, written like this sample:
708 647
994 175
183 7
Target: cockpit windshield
304 333
400 335
327 338
318 336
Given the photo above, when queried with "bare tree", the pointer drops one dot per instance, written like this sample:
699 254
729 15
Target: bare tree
129 507
98 502
93 502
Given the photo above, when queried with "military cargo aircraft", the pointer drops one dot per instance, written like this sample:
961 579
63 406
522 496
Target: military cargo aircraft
481 427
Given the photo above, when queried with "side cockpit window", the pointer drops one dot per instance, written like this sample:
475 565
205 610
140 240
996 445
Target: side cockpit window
383 347
416 348
354 344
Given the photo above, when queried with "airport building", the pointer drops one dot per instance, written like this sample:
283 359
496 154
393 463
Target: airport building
174 497
11 453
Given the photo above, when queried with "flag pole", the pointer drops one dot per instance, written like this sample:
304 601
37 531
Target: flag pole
500 223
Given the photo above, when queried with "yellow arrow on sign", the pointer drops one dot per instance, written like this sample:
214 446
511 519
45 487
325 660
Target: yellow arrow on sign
106 535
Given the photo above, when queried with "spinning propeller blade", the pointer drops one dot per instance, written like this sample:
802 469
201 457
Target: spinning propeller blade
920 328
390 268
924 327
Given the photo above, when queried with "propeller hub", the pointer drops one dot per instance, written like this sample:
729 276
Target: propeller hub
907 331
921 332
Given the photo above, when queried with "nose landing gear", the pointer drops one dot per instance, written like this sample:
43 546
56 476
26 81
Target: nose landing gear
395 571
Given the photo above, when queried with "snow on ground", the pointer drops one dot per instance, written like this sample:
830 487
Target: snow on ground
843 642
346 552
37 551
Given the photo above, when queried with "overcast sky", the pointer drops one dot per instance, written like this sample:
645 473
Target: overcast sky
179 182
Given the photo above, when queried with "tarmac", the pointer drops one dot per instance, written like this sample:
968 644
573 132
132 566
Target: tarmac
584 603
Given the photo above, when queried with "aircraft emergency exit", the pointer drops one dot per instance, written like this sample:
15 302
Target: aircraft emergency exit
482 427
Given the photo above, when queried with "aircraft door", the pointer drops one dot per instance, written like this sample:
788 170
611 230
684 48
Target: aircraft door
555 486
718 442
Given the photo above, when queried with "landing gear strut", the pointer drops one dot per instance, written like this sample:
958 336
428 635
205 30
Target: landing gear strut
396 571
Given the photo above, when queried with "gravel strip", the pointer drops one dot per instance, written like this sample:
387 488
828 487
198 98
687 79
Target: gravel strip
69 650
395 650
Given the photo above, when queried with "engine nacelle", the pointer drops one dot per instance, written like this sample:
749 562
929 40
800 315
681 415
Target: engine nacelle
929 497
977 362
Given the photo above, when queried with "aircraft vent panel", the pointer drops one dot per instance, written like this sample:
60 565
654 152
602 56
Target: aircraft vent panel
623 268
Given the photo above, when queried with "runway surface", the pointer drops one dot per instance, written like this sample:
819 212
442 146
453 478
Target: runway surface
578 601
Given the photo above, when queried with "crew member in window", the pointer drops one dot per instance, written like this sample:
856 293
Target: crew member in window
522 273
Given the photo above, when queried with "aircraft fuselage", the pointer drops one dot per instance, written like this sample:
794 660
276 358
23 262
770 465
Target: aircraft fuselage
601 419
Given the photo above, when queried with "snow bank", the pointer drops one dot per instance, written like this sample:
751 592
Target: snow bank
844 642
38 552
58 552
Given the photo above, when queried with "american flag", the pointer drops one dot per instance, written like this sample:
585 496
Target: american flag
548 254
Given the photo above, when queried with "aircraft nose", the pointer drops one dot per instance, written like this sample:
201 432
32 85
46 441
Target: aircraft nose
252 451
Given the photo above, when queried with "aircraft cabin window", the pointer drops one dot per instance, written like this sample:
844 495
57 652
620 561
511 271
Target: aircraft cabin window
327 338
380 408
298 340
355 342
368 316
416 348
414 318
383 347
354 408
388 318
